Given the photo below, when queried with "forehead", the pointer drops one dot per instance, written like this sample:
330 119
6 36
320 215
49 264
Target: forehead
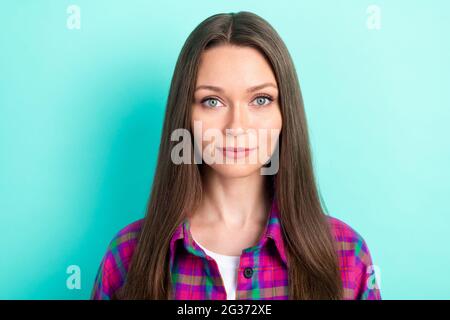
234 66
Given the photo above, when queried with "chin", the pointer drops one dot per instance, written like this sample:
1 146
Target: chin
236 170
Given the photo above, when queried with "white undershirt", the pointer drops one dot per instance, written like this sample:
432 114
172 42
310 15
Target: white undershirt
228 266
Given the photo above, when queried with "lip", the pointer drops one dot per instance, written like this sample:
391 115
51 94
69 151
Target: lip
235 152
235 149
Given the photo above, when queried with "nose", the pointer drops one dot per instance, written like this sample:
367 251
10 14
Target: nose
238 120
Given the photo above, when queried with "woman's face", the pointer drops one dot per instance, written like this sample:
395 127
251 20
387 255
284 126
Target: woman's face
236 114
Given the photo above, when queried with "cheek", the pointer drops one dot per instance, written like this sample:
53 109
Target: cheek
270 125
204 127
208 118
276 120
269 120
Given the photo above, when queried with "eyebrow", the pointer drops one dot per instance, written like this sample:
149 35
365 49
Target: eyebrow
251 89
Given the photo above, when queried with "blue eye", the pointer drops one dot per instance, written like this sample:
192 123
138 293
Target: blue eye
211 103
263 100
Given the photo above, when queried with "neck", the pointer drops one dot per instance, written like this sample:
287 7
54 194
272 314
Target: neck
236 202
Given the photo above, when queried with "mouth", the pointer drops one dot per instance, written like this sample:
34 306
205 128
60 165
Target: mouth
235 152
235 149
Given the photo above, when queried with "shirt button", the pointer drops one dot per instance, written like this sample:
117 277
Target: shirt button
248 272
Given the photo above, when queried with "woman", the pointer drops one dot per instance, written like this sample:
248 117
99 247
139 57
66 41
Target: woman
226 227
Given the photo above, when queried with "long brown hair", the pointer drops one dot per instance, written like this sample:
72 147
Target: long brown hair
177 189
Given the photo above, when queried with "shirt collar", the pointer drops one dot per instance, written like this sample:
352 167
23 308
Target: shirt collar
272 231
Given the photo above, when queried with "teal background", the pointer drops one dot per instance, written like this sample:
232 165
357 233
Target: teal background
81 113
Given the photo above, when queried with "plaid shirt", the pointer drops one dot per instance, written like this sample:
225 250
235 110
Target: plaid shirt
262 272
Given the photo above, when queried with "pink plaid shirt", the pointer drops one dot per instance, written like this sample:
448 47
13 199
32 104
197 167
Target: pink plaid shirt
262 271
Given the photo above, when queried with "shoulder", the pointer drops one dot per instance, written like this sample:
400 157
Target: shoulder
348 240
121 247
115 263
342 232
128 233
357 269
